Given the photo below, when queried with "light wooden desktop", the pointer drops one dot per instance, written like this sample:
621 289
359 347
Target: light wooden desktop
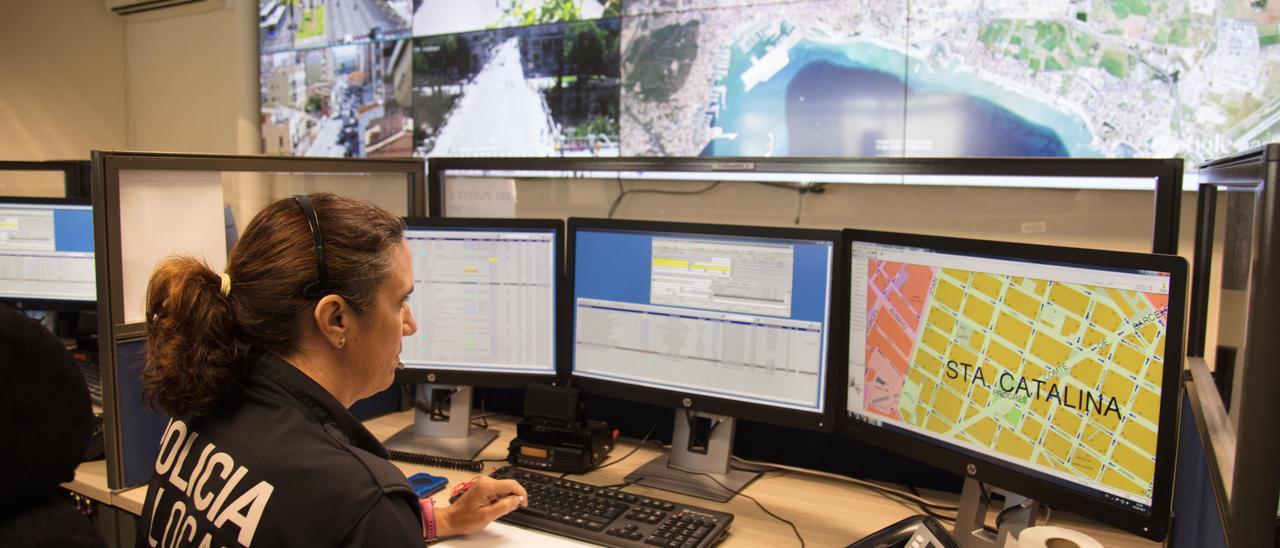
828 512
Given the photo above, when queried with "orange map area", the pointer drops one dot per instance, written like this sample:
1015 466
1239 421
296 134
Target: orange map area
896 295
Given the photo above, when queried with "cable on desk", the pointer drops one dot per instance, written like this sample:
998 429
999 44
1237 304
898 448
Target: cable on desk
633 450
918 500
744 495
930 512
1000 517
436 460
503 461
623 485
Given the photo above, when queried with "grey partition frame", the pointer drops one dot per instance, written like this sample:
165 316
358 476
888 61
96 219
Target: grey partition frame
1164 231
106 167
1255 481
75 172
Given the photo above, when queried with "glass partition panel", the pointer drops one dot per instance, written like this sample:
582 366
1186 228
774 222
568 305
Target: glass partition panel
246 193
1119 215
29 183
202 212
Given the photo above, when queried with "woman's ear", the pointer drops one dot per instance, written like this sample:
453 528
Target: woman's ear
333 319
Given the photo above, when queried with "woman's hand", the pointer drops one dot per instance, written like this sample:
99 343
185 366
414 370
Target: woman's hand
487 499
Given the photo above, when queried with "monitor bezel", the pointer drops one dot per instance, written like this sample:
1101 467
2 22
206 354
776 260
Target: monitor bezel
818 421
423 375
60 305
1009 476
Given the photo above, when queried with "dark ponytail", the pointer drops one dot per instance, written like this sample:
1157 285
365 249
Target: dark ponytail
193 330
191 357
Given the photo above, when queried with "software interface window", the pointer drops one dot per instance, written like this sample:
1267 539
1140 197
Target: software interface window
482 299
46 252
731 317
1049 367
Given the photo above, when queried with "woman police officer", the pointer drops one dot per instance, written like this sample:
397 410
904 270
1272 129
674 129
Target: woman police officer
258 366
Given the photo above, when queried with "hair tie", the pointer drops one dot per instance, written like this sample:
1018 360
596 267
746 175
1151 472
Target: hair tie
226 284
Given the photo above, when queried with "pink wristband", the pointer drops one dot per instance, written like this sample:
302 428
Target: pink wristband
428 518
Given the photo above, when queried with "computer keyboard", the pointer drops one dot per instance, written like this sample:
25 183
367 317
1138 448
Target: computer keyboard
93 379
610 517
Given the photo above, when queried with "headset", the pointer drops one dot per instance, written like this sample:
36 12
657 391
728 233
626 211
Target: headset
322 286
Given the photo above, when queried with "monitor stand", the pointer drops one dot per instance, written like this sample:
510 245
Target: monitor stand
446 431
670 472
974 506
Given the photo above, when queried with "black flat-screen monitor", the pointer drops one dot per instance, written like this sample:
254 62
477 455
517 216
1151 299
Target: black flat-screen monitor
46 253
485 297
1050 372
485 301
718 322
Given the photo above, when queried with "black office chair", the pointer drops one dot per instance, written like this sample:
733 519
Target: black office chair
45 423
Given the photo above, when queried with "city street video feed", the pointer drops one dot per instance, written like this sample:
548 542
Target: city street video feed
288 24
435 17
545 90
763 78
349 101
276 26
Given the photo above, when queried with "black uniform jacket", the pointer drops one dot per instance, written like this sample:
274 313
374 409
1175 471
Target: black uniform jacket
278 462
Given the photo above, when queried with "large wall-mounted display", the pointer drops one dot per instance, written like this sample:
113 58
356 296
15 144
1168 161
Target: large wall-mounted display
1114 78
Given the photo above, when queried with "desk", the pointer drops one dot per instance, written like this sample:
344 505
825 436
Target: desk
828 512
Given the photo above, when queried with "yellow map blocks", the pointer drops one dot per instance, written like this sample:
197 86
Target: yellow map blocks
1147 405
1025 304
1049 350
1072 338
1057 445
1013 446
1097 439
1013 330
978 311
1070 299
942 321
987 284
1086 371
948 294
1114 479
1106 318
1139 465
984 431
1085 464
1067 421
1119 387
935 340
1141 436
947 405
1128 358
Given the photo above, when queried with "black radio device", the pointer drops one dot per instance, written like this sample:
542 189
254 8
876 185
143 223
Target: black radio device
554 437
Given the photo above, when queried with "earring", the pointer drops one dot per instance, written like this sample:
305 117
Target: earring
342 342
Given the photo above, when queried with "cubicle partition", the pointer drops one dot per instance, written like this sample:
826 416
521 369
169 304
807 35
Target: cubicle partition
1120 204
1116 204
1234 315
47 179
148 206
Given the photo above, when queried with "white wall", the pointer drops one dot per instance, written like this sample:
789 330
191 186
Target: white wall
62 79
193 82
76 77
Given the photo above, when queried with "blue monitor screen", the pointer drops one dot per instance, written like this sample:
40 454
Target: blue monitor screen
741 318
46 252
